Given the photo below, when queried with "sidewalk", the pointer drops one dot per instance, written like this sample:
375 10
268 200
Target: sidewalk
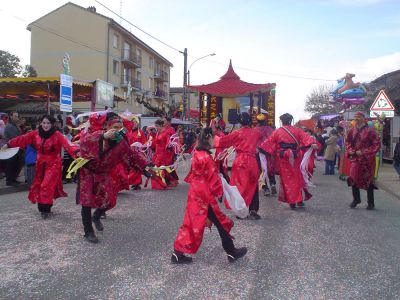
4 189
388 180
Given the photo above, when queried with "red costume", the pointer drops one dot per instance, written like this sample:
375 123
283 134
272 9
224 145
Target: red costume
205 188
172 178
161 157
245 169
47 184
362 168
137 135
288 159
96 188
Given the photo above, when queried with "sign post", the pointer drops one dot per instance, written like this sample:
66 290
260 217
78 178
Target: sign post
66 93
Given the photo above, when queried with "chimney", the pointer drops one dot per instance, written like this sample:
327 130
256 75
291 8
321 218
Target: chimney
92 9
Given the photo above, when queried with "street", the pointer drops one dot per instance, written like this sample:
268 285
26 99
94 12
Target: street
324 251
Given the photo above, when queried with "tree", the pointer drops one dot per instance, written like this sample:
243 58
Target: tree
9 64
317 102
29 71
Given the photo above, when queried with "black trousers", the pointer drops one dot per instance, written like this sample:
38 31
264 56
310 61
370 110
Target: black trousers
272 180
227 242
255 202
357 196
44 208
86 214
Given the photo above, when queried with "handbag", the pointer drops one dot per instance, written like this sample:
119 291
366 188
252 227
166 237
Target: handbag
234 199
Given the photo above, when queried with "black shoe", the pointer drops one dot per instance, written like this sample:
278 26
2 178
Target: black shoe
103 215
354 203
254 215
136 187
267 192
45 215
301 204
92 238
236 254
97 223
180 258
370 207
292 205
273 190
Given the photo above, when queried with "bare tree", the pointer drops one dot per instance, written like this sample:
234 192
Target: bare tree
317 102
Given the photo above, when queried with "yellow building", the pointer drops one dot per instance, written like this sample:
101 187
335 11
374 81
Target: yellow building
99 48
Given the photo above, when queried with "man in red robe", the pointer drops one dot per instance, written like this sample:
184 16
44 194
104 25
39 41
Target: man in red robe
96 188
362 144
136 135
171 178
284 144
245 168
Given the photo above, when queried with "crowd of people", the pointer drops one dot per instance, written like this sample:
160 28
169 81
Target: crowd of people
110 153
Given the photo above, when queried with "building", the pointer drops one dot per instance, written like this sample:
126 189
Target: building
99 48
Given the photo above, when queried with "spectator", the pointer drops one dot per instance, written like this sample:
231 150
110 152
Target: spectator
396 158
30 163
330 153
67 159
15 163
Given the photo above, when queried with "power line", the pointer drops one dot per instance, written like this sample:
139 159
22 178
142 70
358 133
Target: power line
137 27
52 31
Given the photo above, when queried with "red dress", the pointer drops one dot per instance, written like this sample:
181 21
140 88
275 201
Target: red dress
137 135
245 168
172 178
47 184
96 188
160 158
205 188
362 167
288 161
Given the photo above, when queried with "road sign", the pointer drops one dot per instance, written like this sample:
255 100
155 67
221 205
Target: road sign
382 106
381 114
65 93
382 102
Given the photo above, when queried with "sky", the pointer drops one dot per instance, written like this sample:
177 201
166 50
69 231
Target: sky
297 44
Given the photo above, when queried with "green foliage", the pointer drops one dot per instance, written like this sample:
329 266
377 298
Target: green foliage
10 66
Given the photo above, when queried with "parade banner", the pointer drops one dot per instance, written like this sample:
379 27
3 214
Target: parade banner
271 108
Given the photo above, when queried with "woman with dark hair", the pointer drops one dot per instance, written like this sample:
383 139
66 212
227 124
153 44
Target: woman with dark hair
202 209
48 142
245 169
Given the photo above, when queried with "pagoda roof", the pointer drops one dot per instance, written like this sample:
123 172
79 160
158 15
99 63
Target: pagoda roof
230 85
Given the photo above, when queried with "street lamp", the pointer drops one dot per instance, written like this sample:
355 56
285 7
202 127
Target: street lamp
188 78
188 72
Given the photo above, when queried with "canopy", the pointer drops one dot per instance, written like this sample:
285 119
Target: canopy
230 85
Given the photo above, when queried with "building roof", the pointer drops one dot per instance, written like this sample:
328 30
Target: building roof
230 85
111 23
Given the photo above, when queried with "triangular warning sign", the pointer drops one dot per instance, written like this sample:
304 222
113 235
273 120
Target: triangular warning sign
382 102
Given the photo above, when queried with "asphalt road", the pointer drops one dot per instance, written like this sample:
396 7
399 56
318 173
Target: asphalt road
325 251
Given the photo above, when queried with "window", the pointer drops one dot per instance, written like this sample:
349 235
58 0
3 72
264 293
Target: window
115 67
115 41
139 54
138 75
150 81
151 63
127 51
126 75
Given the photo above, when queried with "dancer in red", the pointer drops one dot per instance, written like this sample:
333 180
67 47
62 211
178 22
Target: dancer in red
172 178
136 135
284 144
104 149
202 209
245 169
47 141
161 156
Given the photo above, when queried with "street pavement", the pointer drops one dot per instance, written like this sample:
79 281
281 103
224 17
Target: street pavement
324 251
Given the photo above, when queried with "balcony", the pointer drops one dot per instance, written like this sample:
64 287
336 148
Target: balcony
135 83
159 94
130 58
160 76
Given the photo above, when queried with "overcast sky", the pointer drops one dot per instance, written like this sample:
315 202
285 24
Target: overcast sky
285 41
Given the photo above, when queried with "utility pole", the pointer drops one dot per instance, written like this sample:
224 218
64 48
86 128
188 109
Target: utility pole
184 100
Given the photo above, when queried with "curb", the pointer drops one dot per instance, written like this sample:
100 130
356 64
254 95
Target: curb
387 189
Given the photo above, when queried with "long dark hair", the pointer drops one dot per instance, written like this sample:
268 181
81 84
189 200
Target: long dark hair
203 140
47 134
